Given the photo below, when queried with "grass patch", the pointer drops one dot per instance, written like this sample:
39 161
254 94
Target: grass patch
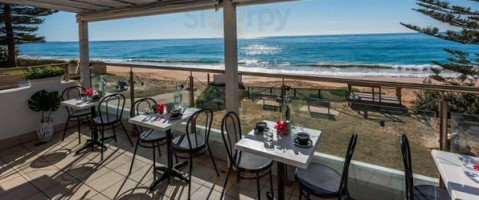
342 92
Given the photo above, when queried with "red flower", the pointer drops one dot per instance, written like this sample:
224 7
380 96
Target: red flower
89 92
281 126
160 108
476 167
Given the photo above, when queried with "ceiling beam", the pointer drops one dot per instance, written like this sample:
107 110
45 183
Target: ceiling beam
75 4
164 7
109 3
255 2
43 5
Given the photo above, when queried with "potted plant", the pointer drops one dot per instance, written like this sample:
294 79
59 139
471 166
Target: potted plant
73 66
40 77
45 102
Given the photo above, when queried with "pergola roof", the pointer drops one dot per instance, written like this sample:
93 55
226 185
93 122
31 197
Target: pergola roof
98 10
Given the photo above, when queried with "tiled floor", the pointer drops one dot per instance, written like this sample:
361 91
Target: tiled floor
53 171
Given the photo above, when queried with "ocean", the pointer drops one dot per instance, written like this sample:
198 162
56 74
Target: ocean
391 55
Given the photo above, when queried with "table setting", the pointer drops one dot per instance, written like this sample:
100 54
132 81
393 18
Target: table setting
459 172
284 142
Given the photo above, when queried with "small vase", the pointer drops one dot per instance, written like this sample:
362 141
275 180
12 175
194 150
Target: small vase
45 131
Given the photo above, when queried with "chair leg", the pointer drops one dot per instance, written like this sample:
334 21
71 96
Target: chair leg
159 148
114 133
154 161
213 160
65 130
226 182
300 192
190 173
238 177
271 182
126 133
134 154
102 143
257 186
79 130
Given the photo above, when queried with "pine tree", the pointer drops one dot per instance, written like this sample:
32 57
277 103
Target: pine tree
18 25
464 23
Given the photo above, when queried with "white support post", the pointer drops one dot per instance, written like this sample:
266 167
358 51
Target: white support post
231 56
84 54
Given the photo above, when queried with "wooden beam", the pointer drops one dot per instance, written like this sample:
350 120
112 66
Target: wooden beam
109 3
255 2
231 56
84 54
83 6
146 10
43 5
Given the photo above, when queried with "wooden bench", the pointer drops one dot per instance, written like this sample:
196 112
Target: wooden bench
373 97
319 103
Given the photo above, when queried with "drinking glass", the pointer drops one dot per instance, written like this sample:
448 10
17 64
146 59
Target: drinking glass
298 128
268 139
149 112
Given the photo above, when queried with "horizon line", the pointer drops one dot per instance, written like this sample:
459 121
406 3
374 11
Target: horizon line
246 38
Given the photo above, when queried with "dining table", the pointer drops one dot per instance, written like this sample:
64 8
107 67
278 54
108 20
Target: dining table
81 104
284 152
458 173
165 123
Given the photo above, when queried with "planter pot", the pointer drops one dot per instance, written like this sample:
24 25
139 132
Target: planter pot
45 131
73 68
45 81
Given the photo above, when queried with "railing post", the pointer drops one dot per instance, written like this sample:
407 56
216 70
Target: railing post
67 74
191 90
443 110
132 88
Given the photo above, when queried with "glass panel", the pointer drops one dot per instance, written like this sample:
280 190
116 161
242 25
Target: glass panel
465 134
323 106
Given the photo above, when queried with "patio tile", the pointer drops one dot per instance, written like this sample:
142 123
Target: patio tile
12 184
116 161
144 174
124 169
100 196
38 196
176 189
76 191
125 187
22 191
201 174
208 193
105 181
217 182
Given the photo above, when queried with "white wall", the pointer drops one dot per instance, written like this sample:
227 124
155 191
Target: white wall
15 116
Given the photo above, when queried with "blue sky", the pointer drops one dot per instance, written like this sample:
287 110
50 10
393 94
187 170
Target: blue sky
307 17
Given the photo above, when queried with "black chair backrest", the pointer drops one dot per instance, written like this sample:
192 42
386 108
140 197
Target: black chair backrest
231 133
71 93
193 127
343 186
113 105
139 106
406 157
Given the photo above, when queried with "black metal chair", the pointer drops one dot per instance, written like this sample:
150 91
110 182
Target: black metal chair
245 163
419 192
71 93
323 181
147 138
113 106
195 142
